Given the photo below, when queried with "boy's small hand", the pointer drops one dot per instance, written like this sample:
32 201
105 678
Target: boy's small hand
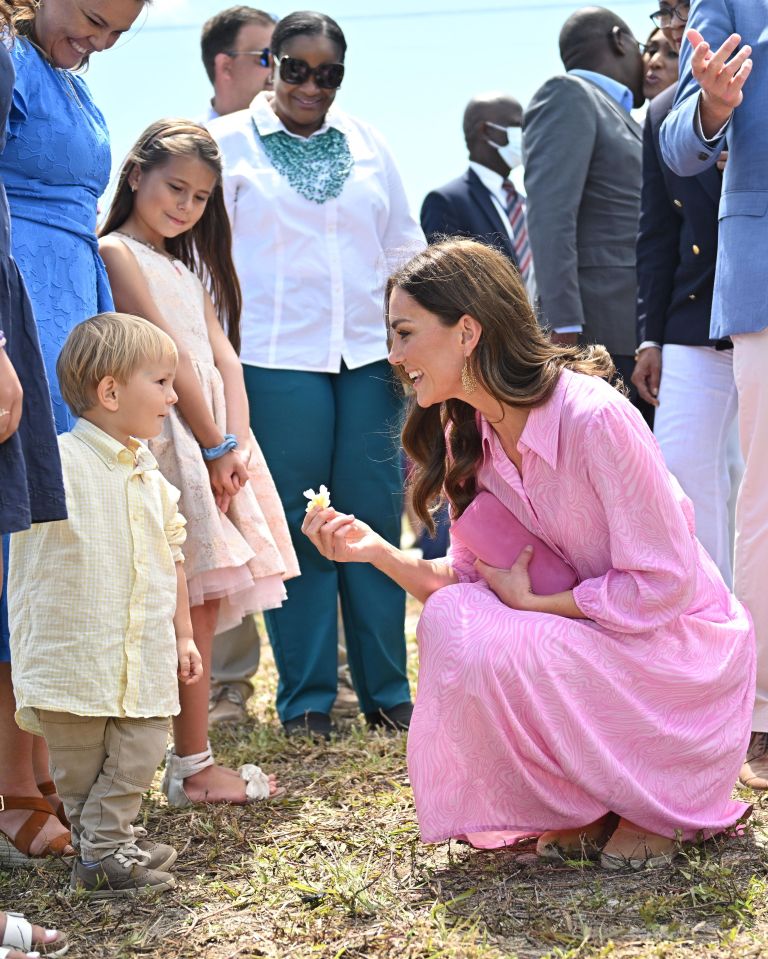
190 661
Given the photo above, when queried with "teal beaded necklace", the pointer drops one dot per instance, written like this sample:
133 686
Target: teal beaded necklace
316 167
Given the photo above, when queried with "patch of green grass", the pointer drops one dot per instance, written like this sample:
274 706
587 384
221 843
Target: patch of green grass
335 869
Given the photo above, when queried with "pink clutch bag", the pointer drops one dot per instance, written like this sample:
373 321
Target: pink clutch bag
496 536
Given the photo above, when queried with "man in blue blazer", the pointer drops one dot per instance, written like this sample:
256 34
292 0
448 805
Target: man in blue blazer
712 103
676 252
474 204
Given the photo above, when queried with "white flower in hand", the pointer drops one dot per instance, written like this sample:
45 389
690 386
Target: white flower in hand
321 498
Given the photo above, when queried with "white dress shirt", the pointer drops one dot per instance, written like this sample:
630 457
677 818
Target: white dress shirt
492 181
313 274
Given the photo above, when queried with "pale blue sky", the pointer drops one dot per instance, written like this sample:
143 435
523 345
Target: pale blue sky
411 68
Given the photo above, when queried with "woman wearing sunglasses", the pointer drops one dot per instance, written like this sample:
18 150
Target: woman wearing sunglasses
318 211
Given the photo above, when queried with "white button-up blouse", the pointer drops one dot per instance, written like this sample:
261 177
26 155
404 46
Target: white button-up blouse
313 274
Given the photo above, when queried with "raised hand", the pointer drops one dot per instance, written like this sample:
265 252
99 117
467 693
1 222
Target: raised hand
721 77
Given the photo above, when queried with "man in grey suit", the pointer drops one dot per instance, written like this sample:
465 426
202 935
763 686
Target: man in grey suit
583 175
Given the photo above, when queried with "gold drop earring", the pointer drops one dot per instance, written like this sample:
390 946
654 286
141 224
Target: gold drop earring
468 378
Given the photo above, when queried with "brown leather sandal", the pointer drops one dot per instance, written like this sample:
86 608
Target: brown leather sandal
48 789
16 851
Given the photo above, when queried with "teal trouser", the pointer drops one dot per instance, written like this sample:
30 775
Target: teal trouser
339 429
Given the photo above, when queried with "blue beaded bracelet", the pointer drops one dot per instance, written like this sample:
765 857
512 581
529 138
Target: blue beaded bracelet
214 452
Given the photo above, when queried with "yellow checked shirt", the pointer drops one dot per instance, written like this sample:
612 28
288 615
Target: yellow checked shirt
92 598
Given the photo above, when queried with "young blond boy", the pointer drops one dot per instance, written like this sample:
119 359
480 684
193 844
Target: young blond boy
98 604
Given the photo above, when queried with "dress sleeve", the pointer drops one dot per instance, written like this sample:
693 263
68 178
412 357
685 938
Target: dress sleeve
174 522
462 562
653 551
26 87
403 237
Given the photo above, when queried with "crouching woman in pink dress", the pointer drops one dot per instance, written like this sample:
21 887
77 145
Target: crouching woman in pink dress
608 719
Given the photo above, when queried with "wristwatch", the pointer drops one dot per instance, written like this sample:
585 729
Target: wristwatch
645 345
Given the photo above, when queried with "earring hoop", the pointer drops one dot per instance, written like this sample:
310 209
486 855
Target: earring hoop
468 378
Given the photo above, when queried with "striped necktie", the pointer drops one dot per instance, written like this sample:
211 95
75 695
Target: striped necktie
515 207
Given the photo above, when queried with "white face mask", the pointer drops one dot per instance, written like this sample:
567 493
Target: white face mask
510 152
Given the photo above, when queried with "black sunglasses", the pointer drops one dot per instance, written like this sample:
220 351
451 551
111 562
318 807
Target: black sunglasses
327 76
263 55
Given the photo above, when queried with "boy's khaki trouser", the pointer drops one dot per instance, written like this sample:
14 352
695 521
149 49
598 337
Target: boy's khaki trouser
101 767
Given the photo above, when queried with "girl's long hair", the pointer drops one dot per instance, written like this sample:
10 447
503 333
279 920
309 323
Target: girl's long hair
514 360
206 249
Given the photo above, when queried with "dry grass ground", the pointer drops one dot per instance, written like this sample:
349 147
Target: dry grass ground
335 869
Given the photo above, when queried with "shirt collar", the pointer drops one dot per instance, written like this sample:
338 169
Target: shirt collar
541 433
110 451
490 179
615 90
267 121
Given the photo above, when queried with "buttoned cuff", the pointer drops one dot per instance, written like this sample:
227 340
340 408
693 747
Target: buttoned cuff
710 141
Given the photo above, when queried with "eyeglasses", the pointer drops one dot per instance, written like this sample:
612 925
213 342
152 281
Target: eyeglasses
327 76
665 15
263 55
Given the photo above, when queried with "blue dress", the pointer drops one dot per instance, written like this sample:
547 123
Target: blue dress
55 166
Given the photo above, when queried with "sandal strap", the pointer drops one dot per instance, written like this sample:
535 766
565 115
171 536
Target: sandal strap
18 932
39 813
185 766
48 788
32 803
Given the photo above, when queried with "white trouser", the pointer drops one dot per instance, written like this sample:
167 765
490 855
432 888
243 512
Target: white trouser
695 425
750 368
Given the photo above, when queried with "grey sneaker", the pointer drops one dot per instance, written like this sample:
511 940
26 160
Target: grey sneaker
118 875
226 706
159 854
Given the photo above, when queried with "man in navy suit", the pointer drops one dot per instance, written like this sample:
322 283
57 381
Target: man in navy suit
680 369
475 204
716 99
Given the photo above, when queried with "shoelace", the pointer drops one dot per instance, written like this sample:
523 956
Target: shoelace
131 855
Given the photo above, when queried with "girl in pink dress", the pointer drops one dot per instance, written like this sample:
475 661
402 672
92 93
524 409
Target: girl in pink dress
609 719
167 247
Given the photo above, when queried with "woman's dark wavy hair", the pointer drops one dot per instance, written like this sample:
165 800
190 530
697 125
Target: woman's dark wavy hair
514 360
305 23
206 249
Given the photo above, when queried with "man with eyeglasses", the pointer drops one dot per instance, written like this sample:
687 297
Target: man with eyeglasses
235 49
680 370
583 157
716 99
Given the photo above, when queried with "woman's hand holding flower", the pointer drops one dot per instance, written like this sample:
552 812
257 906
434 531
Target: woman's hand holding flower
340 536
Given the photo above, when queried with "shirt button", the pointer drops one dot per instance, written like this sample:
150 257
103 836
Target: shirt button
678 203
703 156
696 250
691 296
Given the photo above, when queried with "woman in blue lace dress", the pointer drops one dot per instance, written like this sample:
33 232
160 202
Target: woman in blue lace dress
55 166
